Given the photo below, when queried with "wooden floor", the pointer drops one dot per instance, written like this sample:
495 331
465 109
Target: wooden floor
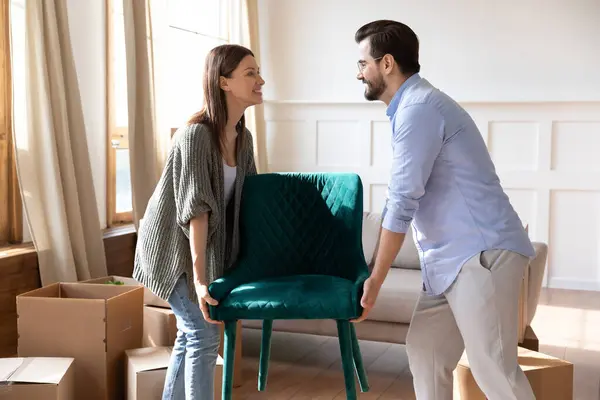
309 367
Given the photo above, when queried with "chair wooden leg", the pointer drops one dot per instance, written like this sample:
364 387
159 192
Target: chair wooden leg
228 359
358 362
265 354
238 378
345 339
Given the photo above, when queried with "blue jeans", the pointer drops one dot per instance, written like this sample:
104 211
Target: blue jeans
191 371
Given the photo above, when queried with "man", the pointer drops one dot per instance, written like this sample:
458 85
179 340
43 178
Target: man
472 245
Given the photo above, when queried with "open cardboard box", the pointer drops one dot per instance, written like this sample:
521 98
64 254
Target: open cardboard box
150 298
147 369
94 324
48 378
551 378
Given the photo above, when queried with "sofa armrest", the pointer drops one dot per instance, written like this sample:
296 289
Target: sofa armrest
537 268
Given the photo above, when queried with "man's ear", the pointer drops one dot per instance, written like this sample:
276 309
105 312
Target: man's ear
388 63
223 84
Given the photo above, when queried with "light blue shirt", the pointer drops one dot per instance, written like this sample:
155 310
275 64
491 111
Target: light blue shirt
444 181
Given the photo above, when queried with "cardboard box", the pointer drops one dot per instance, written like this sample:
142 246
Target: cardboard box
550 378
160 330
147 369
150 298
160 327
47 378
94 324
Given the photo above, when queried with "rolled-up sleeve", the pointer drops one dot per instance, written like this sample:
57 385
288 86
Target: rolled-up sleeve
191 177
418 135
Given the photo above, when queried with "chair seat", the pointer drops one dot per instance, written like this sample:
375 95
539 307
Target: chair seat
291 297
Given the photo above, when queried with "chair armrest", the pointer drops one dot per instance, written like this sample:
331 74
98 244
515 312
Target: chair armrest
220 288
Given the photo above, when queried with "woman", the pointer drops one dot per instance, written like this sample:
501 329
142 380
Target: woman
189 235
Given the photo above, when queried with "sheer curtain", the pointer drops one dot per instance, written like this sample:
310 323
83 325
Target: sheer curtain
52 154
149 134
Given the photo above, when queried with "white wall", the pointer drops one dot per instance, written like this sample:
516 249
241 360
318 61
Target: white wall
510 50
524 70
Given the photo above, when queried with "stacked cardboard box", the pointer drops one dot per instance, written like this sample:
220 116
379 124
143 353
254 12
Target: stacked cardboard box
106 338
92 324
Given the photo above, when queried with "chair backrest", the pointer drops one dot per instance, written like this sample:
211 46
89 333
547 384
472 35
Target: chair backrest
302 223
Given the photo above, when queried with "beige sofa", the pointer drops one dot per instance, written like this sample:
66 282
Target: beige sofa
390 318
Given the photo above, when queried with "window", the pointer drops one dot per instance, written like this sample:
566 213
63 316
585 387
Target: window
11 223
194 27
118 188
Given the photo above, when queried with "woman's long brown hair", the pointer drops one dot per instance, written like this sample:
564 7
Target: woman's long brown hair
220 61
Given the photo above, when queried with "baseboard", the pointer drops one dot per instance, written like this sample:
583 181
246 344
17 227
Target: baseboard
574 284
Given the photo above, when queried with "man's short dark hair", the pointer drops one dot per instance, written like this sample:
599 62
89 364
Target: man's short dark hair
394 38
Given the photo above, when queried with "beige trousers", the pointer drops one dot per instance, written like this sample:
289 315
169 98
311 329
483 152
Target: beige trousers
479 313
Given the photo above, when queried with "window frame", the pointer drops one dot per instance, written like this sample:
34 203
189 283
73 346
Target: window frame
11 210
117 137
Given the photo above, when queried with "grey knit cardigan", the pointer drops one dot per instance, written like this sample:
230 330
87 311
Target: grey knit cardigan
191 183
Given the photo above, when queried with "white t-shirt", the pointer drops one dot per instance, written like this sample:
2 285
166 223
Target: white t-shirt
229 174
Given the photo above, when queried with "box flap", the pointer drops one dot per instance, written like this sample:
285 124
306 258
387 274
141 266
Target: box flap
93 291
530 360
52 290
149 297
149 358
49 370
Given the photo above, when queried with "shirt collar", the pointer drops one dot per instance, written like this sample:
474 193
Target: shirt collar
391 110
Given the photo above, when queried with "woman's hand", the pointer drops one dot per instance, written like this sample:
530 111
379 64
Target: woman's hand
204 299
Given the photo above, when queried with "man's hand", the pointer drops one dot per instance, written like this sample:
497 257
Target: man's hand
389 245
204 299
371 289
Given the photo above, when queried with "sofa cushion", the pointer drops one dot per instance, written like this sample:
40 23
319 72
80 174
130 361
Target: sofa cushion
408 256
398 296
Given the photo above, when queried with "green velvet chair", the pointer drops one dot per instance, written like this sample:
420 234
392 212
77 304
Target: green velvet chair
301 257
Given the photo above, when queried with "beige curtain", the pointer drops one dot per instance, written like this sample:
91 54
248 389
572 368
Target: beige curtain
243 30
52 154
149 135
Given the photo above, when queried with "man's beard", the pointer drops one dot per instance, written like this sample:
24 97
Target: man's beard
374 90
